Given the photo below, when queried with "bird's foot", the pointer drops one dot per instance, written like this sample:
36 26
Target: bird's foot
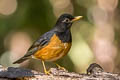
62 68
59 67
47 72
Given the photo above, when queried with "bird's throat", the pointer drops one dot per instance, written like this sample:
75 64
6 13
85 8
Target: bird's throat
64 36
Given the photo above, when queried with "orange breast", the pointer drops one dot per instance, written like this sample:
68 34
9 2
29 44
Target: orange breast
54 50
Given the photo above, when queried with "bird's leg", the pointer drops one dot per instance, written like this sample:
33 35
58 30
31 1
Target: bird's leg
59 67
45 70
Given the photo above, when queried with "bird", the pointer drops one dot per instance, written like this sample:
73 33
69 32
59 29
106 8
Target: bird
54 44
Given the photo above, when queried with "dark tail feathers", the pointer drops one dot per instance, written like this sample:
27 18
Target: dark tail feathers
20 60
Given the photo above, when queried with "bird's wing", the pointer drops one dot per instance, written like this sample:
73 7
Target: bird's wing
39 44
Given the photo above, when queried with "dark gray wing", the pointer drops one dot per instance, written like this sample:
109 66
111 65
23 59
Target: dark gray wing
38 44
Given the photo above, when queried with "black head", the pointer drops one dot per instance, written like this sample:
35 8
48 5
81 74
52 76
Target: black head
65 21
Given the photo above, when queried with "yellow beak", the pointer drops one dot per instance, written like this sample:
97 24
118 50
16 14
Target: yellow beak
77 18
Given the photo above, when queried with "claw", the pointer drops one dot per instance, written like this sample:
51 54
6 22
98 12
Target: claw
47 72
59 67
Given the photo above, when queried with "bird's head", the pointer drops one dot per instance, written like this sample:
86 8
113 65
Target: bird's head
65 21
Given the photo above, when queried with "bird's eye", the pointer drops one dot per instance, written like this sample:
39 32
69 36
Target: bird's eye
66 20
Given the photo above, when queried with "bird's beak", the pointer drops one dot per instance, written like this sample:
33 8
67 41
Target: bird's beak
76 18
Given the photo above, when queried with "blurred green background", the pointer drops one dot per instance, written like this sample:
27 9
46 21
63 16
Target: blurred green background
96 37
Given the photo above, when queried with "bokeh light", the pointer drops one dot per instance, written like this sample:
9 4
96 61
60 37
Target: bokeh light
8 7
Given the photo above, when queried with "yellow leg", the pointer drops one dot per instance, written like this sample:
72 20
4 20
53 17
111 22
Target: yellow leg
45 70
59 67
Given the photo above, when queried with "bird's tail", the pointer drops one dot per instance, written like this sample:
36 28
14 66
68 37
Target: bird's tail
20 60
